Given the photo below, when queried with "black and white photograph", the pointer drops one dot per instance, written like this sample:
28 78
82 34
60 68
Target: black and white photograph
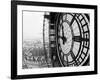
53 39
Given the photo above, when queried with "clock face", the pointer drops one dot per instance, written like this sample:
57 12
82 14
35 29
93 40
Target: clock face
72 38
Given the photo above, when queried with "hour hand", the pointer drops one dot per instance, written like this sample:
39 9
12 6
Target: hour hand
64 39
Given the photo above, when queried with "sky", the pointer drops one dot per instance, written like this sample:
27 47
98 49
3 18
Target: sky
32 25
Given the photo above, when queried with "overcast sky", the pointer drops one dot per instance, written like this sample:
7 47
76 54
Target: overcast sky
32 25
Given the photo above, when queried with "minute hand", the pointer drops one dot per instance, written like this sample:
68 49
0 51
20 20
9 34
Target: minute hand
63 37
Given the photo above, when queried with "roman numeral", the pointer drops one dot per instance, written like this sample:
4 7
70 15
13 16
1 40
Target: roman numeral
73 56
79 39
72 20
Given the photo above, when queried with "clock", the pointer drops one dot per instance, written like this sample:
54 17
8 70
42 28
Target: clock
72 38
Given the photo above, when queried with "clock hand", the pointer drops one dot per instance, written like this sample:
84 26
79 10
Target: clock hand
63 37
